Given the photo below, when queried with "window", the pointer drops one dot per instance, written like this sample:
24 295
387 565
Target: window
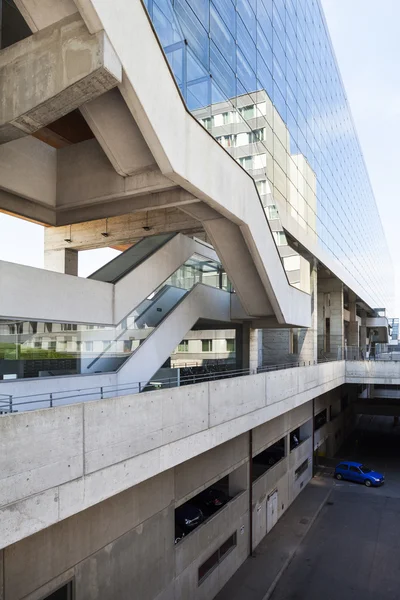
256 136
183 346
354 469
89 346
38 343
52 345
207 123
246 162
230 345
272 212
280 238
301 469
206 345
217 557
248 112
106 345
343 467
262 186
127 345
227 141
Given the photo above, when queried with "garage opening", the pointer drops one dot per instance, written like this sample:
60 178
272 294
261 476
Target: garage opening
268 458
63 593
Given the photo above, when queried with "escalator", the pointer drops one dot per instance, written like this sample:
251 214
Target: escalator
170 280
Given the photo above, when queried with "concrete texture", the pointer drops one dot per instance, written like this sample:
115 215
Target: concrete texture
352 548
191 153
42 13
170 436
258 576
79 67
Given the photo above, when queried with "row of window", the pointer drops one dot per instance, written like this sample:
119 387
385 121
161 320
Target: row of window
216 558
208 345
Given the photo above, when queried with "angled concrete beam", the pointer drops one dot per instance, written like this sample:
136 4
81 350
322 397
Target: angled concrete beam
234 254
41 13
125 229
68 65
114 127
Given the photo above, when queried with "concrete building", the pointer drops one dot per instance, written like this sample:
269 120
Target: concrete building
158 417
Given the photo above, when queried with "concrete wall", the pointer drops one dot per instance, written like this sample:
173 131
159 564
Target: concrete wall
111 445
373 372
126 542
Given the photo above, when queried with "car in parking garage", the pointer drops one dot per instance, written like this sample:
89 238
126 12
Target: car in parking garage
188 517
210 500
354 471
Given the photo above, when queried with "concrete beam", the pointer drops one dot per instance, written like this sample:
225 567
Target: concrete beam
69 66
133 204
114 127
85 176
125 229
37 162
41 13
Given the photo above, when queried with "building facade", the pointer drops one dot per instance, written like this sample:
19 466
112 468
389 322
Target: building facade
158 417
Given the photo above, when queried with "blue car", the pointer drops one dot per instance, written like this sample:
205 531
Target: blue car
354 471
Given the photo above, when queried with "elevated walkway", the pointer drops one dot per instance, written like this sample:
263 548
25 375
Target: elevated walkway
72 457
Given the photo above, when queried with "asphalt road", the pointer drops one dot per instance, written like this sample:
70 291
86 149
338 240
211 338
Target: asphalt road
353 549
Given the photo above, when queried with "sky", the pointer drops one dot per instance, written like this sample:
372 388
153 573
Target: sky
365 37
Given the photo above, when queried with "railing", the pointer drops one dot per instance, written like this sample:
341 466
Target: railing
378 352
13 403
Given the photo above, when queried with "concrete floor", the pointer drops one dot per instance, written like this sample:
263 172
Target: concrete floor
353 549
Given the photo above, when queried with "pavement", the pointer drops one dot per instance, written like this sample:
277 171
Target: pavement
257 578
352 551
338 540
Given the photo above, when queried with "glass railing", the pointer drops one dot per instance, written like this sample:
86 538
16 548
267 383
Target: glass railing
40 349
131 258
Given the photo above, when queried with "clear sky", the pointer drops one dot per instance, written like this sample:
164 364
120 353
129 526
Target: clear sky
365 37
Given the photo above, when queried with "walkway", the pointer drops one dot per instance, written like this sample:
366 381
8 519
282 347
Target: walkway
257 577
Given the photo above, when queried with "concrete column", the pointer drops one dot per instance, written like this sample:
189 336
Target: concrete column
238 480
330 317
308 338
353 337
62 261
250 342
254 337
363 331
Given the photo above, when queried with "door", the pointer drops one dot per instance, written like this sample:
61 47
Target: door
272 510
355 474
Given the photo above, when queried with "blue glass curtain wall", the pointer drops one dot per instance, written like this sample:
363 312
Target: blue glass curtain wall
225 54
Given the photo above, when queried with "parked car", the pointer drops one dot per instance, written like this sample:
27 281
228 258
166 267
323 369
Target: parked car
188 517
354 471
210 500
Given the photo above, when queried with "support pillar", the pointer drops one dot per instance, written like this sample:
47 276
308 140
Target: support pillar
61 261
330 318
353 339
308 338
254 349
363 331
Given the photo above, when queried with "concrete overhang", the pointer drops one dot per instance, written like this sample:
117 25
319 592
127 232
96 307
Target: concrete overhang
49 74
381 326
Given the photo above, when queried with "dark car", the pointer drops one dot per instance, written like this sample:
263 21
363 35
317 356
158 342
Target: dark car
188 517
354 471
210 500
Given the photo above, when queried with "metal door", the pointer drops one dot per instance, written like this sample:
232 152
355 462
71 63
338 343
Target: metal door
272 510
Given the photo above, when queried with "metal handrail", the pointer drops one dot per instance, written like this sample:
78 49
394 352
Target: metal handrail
50 399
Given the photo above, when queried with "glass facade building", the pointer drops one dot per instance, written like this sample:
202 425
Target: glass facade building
261 75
